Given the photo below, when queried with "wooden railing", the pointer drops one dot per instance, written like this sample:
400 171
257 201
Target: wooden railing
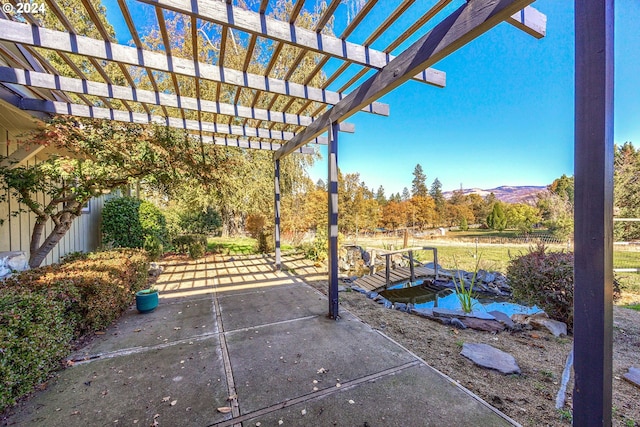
410 251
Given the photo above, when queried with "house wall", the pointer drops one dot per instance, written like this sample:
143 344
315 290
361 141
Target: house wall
15 231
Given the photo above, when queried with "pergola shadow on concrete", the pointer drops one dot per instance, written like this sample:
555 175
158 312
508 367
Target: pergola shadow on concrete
283 112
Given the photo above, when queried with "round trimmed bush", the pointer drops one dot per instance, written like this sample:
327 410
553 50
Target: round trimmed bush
129 223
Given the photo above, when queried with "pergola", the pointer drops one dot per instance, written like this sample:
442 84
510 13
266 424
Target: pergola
298 114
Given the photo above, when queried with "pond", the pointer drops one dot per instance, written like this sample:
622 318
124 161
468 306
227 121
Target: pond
426 296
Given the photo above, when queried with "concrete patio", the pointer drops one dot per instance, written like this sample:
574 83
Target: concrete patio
234 343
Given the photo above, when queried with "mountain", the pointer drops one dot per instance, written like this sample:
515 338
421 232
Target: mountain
506 193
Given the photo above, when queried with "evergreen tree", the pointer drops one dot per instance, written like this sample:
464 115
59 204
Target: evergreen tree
405 194
418 185
627 190
438 198
497 219
380 197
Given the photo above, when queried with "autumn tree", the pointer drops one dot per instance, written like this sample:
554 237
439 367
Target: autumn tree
423 211
95 156
394 214
522 216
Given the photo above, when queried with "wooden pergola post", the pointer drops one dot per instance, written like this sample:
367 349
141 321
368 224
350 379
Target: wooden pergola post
276 230
332 231
593 293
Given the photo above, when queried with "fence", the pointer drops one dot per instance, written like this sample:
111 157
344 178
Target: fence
626 255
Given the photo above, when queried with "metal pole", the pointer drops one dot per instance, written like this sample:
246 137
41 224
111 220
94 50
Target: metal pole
387 273
333 220
593 265
412 270
276 231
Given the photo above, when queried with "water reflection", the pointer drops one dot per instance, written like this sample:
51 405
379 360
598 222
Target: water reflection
425 296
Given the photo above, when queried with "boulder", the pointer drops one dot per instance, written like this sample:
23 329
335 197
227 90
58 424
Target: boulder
556 327
541 320
503 318
490 357
486 325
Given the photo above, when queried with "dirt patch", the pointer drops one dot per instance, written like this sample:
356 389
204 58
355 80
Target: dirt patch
528 398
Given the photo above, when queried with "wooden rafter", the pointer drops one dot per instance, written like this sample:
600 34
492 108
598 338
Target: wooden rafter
282 32
86 46
57 107
465 24
84 87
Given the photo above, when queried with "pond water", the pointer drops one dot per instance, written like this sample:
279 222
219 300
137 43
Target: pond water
426 297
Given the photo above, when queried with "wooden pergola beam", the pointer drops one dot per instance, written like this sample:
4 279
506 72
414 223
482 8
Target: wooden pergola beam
593 213
465 24
22 155
86 87
101 49
531 21
230 141
284 32
77 110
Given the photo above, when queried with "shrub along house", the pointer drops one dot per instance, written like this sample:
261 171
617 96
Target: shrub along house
296 113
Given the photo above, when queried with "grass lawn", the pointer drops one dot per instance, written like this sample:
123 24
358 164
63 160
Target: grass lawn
236 245
232 245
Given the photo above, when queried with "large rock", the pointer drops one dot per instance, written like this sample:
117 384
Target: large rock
556 327
503 318
486 325
490 357
541 320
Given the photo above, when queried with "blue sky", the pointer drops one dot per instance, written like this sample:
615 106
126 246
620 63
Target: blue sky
505 116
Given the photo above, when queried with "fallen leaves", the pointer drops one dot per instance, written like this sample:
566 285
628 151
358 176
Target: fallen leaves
224 409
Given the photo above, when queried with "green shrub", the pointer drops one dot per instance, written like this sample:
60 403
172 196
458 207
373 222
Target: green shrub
121 223
265 242
318 249
196 250
184 242
154 247
153 222
546 280
43 309
200 221
35 335
127 222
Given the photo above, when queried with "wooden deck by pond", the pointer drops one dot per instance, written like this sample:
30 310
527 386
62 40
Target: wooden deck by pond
375 282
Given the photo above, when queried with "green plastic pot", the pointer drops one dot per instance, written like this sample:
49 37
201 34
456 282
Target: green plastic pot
146 301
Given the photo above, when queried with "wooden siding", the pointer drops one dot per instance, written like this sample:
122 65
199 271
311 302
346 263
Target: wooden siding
15 232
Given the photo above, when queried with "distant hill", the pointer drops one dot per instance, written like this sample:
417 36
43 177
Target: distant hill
506 193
